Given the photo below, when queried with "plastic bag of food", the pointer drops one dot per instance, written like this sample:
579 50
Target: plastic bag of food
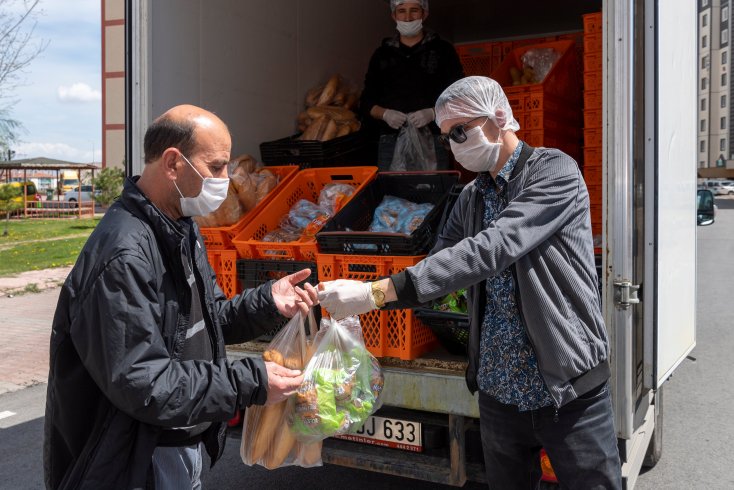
540 60
267 437
396 215
300 216
333 196
342 384
414 150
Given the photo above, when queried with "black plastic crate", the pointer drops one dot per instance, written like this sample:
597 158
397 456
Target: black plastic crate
349 149
452 329
253 273
356 216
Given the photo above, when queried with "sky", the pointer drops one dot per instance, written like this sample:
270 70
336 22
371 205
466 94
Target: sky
60 102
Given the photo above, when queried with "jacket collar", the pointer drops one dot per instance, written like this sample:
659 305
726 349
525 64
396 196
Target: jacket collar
169 233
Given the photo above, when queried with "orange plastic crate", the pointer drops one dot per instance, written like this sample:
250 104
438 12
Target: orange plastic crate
553 103
220 238
593 155
593 100
593 23
593 136
307 184
593 61
392 333
592 118
593 174
482 58
224 263
593 42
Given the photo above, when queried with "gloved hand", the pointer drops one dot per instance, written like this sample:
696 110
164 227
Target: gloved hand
345 297
422 117
394 119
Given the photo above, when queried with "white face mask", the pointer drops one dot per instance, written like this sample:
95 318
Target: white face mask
410 29
212 195
477 154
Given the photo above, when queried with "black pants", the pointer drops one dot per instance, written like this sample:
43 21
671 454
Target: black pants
580 441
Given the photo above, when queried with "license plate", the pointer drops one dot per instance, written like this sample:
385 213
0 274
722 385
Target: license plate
386 432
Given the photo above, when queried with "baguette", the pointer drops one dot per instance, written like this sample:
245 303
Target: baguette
312 132
351 101
339 114
329 91
329 131
271 418
267 183
312 96
343 130
282 445
310 454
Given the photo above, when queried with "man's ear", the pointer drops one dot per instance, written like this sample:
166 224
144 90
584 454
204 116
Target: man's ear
170 161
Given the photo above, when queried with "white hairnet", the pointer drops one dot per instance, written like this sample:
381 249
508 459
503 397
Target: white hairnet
394 4
474 97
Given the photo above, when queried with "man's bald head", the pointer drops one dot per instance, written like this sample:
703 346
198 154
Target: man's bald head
178 128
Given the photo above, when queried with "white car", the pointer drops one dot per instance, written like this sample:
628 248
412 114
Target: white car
73 195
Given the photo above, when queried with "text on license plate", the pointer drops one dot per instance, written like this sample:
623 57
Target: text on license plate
394 433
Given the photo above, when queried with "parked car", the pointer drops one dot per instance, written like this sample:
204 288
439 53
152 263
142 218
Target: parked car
73 195
706 209
718 187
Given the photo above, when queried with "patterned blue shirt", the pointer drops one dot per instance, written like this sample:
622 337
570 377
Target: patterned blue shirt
508 368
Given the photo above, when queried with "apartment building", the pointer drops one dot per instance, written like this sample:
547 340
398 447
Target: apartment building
113 83
715 108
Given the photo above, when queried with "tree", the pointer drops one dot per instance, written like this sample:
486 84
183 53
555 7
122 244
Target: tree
18 49
108 185
10 201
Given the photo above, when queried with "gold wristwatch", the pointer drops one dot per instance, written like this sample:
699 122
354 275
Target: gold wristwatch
378 295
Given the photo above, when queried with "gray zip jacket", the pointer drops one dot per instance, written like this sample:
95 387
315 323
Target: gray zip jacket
545 236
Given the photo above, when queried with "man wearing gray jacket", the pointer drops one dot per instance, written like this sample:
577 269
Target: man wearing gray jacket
519 239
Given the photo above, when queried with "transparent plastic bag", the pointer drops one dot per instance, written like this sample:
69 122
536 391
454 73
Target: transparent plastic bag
342 384
396 215
414 150
267 437
333 196
540 60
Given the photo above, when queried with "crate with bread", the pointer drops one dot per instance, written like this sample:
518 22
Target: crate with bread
287 226
251 187
328 130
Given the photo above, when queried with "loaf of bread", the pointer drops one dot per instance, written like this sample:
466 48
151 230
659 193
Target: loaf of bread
329 131
330 90
338 114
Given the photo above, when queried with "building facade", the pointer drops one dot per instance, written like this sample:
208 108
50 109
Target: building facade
715 108
113 83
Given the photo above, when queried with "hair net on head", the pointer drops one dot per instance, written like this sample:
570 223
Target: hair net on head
394 4
474 97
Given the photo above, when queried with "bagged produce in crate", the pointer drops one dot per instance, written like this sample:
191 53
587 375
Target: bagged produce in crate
414 150
342 384
267 437
396 215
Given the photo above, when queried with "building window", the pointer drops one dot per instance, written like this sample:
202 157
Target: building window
722 123
723 79
704 83
703 125
703 104
704 3
724 36
723 101
724 13
705 62
704 20
702 146
722 144
723 57
704 40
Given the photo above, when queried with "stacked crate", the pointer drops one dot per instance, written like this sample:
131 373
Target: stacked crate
592 164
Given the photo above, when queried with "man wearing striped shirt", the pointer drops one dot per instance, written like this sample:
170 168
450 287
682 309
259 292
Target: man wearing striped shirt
519 239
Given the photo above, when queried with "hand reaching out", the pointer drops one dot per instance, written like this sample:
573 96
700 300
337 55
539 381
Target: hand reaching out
290 298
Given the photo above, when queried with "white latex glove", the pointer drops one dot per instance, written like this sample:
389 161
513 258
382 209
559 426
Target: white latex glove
422 117
345 297
394 119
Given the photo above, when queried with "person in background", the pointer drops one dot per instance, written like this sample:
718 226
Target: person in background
139 378
405 76
519 238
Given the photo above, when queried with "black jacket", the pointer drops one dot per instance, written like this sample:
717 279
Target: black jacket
408 79
115 379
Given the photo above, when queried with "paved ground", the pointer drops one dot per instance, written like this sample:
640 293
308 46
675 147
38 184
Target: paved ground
43 279
26 326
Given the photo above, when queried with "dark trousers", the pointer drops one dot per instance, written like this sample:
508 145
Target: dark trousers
580 441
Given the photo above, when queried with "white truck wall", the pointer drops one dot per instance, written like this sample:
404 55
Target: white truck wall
215 54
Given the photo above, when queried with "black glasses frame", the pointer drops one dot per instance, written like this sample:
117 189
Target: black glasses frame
457 133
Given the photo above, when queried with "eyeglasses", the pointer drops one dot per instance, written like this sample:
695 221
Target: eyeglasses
457 133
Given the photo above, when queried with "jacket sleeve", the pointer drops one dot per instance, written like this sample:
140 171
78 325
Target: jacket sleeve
116 331
371 93
549 200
